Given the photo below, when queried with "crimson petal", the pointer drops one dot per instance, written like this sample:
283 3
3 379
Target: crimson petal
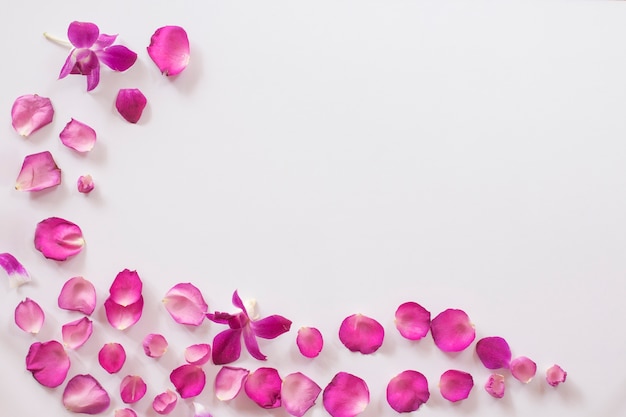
29 316
494 352
78 136
360 333
346 395
112 357
263 387
412 320
407 391
455 385
30 113
58 238
84 394
185 304
48 362
78 294
310 341
18 275
130 103
452 330
189 380
298 393
169 49
132 389
39 171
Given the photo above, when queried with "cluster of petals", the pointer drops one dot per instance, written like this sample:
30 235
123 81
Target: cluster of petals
407 391
84 394
85 184
495 385
198 354
362 334
77 332
29 316
412 320
132 389
189 380
494 352
48 362
452 330
124 305
523 369
78 136
165 402
130 103
39 171
185 304
78 294
555 375
455 385
346 395
309 341
18 275
30 113
154 345
112 357
169 49
58 239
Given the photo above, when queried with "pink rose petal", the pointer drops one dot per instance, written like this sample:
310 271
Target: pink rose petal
455 385
83 394
48 362
126 288
360 333
494 352
165 402
85 184
346 395
112 357
125 412
169 49
298 393
189 380
495 385
310 341
407 391
555 375
18 275
154 345
58 238
523 369
412 320
198 354
228 382
185 304
78 294
77 332
452 330
130 103
122 317
132 389
78 136
30 113
39 171
29 316
200 411
263 387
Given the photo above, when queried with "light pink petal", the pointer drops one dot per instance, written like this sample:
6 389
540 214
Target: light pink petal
227 346
452 330
523 369
125 412
78 294
185 304
78 136
455 385
117 57
200 411
58 238
83 394
298 393
77 332
412 320
494 352
165 402
189 380
346 395
555 375
29 316
495 385
85 184
122 317
228 382
360 333
82 34
407 391
154 345
126 288
130 103
270 327
310 341
263 387
30 113
39 171
48 362
198 354
169 49
112 357
18 275
132 389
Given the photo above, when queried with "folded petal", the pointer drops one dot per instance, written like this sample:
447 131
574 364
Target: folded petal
185 304
82 34
126 288
78 136
555 375
78 294
165 402
39 171
125 412
523 369
112 357
48 362
169 49
154 345
58 238
18 275
85 184
130 103
122 317
198 354
494 352
495 385
77 332
455 385
407 391
310 341
270 327
263 387
117 57
227 346
84 394
360 333
189 380
132 389
452 330
412 320
228 382
346 395
29 316
298 393
30 113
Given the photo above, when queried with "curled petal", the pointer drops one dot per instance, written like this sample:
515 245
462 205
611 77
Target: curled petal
198 354
117 57
360 333
185 304
126 288
76 333
227 346
112 357
412 320
122 317
30 113
39 171
270 327
125 412
523 369
82 34
78 136
18 275
455 385
298 393
452 330
48 362
78 294
83 394
165 402
495 385
555 375
494 352
200 411
346 395
263 387
85 184
58 238
228 382
29 316
310 341
169 49
154 345
407 391
132 389
189 380
130 103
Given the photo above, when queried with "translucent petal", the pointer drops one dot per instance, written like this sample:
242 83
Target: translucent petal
30 113
29 316
198 354
169 49
58 238
412 320
346 395
78 136
165 402
229 381
298 393
83 394
122 317
263 387
407 391
18 275
494 352
48 362
125 412
77 332
132 389
452 330
495 385
78 294
523 369
82 34
117 57
185 304
126 288
85 184
310 341
112 357
154 345
189 380
270 327
555 375
227 346
360 333
130 103
455 385
39 171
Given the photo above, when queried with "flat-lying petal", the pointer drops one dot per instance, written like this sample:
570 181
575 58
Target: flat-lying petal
263 387
132 389
154 345
18 275
82 34
523 369
200 411
122 317
198 354
77 332
309 341
495 385
125 412
298 393
130 103
412 320
452 330
78 294
126 288
270 327
185 304
555 375
117 57
346 395
29 316
85 184
360 333
189 380
112 357
84 394
165 402
494 352
229 381
169 49
30 113
407 391
78 136
226 346
455 385
48 362
58 239
39 171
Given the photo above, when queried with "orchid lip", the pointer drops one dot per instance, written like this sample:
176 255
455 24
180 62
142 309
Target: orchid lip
18 275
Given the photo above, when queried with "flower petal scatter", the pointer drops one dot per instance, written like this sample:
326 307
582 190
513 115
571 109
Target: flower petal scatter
130 103
58 239
169 49
18 275
189 380
198 354
412 320
555 375
132 389
48 362
39 171
309 341
495 385
494 352
452 330
298 393
455 385
229 381
112 357
30 113
77 332
360 333
154 345
185 304
523 369
78 136
346 395
407 391
124 305
84 394
165 402
85 184
29 316
263 387
78 294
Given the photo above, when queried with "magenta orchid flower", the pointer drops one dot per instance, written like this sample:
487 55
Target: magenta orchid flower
18 275
30 113
84 394
39 171
169 49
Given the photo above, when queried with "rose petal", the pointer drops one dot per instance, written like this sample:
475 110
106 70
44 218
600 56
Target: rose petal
83 394
29 316
125 412
455 385
310 341
346 395
126 288
48 362
263 387
189 380
270 327
360 333
298 393
117 57
132 389
494 352
198 354
555 375
82 34
130 103
228 382
169 49
185 304
39 171
495 385
58 238
200 411
18 275
122 317
523 369
77 332
407 391
412 320
112 357
30 113
452 330
165 402
227 346
78 136
78 294
154 345
85 184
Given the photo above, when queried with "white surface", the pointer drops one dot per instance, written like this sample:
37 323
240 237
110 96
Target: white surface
328 158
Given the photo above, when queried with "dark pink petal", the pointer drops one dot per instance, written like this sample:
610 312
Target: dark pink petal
310 341
165 402
249 339
189 380
495 385
78 294
48 362
130 103
112 357
228 382
523 369
117 57
494 352
39 171
29 316
200 411
198 354
298 393
452 330
78 136
125 412
132 389
104 41
360 333
154 345
122 317
346 395
58 238
30 113
263 387
407 391
270 327
85 184
555 375
455 385
227 346
18 275
93 75
185 304
76 333
83 394
126 288
82 34
412 320
169 49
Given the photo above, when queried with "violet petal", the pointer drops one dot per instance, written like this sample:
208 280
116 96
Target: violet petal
30 113
494 352
229 381
360 333
555 375
412 320
169 49
39 171
130 103
29 316
18 275
270 327
346 395
122 317
263 387
48 362
77 332
407 391
189 380
455 385
112 357
495 385
198 354
452 330
78 136
310 341
132 389
298 393
84 394
78 294
154 345
58 238
165 402
85 184
185 304
227 346
523 369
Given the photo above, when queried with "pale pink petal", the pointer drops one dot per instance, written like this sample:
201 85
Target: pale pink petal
200 411
263 387
130 103
198 354
78 136
346 395
494 352
29 316
82 34
228 382
126 288
165 402
555 375
310 341
18 275
125 412
189 380
132 389
523 369
169 49
112 357
30 113
39 171
270 327
78 294
85 184
83 394
495 385
122 317
58 238
455 385
298 393
227 346
360 333
452 330
77 332
412 320
407 391
48 362
185 304
154 345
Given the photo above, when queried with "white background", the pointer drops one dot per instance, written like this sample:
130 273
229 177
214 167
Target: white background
335 157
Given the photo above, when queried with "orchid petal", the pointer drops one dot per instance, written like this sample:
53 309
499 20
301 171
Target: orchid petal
92 71
523 369
29 316
346 395
263 387
78 294
252 345
452 330
555 375
77 332
407 391
122 317
228 382
78 136
48 362
227 346
58 238
104 41
154 345
455 385
30 113
117 57
270 327
18 275
169 49
198 354
112 357
84 394
200 411
494 352
495 385
189 380
165 402
236 300
412 320
82 34
69 64
85 184
310 341
39 171
360 333
132 389
125 412
298 393
126 288
130 103
185 304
